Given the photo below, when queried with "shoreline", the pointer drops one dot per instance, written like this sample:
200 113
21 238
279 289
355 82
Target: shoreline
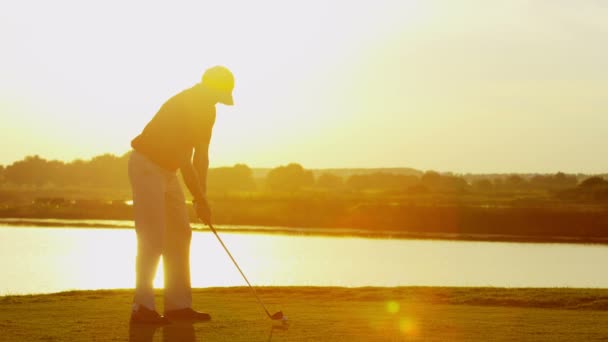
301 231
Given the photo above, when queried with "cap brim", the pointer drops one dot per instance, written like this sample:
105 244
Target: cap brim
226 98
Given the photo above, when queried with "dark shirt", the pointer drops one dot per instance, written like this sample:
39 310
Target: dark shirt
183 122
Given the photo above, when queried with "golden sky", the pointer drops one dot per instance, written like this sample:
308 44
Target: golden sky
464 86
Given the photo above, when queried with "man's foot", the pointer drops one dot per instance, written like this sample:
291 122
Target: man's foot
144 315
187 314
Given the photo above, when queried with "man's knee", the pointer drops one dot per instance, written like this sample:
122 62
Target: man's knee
184 232
150 245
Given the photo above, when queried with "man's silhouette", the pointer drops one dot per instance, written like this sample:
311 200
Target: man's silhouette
177 138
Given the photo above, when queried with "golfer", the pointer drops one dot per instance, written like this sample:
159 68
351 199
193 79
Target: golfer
177 138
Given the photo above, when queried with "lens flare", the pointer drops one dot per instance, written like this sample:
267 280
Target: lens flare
408 326
392 307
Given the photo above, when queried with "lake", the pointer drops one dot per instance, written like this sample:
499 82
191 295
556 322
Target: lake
43 260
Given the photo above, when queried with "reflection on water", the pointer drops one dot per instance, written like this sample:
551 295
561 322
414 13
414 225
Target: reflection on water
34 260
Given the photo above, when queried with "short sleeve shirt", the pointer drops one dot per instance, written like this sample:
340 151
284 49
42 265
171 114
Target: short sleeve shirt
183 122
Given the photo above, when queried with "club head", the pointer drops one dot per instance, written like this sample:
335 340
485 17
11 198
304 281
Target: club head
277 316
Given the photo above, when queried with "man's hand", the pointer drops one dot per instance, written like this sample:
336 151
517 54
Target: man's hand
203 211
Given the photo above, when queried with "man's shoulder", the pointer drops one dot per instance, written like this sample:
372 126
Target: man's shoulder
190 107
182 97
187 100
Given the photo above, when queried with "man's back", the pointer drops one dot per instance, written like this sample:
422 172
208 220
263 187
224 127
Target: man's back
184 120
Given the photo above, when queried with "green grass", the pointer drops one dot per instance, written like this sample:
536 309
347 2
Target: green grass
322 314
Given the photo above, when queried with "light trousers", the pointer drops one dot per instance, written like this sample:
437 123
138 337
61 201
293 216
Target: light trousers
163 228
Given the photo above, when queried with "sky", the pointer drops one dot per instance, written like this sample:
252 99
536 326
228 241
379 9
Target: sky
461 86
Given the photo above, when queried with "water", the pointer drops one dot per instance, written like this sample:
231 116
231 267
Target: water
39 260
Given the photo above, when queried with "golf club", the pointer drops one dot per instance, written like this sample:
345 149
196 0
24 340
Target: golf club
275 316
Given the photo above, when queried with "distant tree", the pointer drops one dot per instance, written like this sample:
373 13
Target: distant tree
498 183
435 181
358 182
381 181
32 170
515 183
541 181
108 170
483 185
330 181
593 182
452 183
76 173
1 174
431 179
563 180
54 171
105 170
292 177
236 178
591 189
559 181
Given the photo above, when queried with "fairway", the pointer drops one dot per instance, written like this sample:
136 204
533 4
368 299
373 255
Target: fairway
322 314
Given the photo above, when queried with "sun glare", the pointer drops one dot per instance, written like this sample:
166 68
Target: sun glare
392 307
289 69
408 326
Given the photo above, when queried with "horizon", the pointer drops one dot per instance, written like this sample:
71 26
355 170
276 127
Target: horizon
473 87
263 167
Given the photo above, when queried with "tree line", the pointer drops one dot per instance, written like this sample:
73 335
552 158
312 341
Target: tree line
110 171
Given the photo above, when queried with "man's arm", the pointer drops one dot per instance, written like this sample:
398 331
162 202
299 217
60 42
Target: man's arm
201 164
201 146
191 178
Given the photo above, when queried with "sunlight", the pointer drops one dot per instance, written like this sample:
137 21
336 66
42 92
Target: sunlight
211 264
392 307
95 267
289 70
407 78
58 259
408 326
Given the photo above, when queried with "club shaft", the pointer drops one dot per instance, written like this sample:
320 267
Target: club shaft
238 268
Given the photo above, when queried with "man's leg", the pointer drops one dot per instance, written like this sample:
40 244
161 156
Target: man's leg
148 184
176 253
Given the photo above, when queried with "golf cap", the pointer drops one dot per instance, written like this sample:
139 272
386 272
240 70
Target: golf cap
220 79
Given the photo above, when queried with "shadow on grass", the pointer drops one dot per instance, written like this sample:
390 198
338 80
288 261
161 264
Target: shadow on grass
177 332
274 327
182 332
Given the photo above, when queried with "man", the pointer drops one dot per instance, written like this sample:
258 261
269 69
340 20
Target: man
177 137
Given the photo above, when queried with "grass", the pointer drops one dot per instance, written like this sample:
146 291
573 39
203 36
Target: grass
322 314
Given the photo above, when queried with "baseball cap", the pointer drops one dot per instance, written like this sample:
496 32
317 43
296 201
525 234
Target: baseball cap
220 79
